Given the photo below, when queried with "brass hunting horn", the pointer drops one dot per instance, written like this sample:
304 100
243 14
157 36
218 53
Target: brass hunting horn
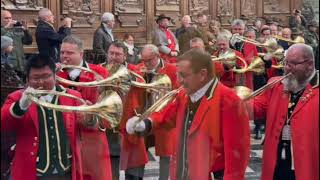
246 94
229 58
108 107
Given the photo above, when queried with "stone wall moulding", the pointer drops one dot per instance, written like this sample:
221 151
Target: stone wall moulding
130 13
84 13
22 4
276 6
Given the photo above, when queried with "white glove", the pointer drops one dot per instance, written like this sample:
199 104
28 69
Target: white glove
25 102
268 57
132 128
74 73
234 40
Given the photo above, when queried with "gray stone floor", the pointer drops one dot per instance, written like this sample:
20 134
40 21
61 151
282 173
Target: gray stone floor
253 171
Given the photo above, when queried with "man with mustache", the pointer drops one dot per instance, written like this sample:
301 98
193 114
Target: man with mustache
291 148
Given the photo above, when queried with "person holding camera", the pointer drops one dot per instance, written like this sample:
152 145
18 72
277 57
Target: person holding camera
48 40
20 35
297 20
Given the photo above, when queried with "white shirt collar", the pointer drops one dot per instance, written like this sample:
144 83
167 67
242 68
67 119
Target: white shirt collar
74 73
201 92
109 30
48 98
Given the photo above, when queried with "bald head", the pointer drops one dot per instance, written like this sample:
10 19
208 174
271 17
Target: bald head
45 14
186 20
304 50
6 17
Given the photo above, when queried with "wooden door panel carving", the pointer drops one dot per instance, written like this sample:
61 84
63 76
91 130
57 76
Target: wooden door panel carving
137 17
170 8
130 13
198 6
84 13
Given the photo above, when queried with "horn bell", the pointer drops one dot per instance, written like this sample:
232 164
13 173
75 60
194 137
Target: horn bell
108 107
161 82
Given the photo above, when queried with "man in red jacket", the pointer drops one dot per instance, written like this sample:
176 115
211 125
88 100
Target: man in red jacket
47 141
227 76
95 150
291 148
210 141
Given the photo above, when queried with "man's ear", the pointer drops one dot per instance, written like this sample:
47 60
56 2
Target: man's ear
204 74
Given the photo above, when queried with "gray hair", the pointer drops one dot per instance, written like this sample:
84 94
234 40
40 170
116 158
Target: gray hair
249 30
238 22
107 17
224 35
6 41
153 48
72 39
43 13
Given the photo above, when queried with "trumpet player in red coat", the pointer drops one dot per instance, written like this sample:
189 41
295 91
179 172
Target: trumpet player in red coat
95 150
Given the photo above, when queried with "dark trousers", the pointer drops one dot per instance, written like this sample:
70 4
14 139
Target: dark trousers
218 175
115 166
134 173
55 177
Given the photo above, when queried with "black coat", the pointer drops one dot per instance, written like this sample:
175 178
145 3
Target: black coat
101 42
48 40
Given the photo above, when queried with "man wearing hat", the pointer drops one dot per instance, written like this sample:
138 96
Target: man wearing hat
311 37
165 39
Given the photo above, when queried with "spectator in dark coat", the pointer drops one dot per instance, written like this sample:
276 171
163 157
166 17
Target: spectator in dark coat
48 40
103 37
185 33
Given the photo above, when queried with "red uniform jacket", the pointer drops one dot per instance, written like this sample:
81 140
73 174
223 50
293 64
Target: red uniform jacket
273 104
228 78
27 136
249 52
133 150
164 143
95 148
217 139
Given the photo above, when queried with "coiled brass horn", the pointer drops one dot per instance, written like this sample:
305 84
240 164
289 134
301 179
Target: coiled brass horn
161 82
229 58
159 105
270 43
117 79
298 39
278 54
108 107
257 66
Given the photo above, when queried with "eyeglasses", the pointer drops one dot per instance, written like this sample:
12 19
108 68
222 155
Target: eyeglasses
294 64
